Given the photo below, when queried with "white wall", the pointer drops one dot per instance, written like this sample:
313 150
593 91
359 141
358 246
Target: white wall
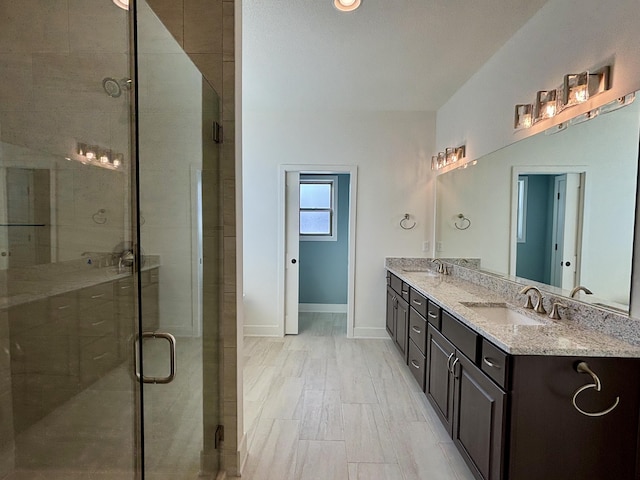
170 89
392 151
565 36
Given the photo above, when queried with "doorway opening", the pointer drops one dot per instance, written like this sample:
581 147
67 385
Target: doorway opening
547 217
317 258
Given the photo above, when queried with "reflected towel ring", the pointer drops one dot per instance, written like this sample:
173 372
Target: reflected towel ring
99 217
404 219
583 367
464 219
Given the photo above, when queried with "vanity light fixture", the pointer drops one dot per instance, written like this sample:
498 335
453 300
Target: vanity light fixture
345 5
576 88
450 156
523 117
98 156
546 105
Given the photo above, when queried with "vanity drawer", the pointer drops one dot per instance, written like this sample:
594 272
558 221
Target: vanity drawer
495 363
97 358
396 284
418 301
418 330
416 362
465 339
92 297
434 315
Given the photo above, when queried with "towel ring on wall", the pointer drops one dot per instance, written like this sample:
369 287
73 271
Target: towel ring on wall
583 367
99 217
465 222
404 220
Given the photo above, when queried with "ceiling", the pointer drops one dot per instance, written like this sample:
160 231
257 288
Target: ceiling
387 55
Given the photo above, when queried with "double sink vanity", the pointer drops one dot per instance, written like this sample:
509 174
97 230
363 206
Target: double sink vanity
523 396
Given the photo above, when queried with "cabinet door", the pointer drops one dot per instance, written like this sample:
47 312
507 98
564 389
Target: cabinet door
391 307
402 326
439 381
478 419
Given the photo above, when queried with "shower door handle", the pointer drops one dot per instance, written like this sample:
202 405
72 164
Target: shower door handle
172 358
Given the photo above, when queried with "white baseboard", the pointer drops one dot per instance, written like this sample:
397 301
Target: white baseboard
370 332
323 307
262 331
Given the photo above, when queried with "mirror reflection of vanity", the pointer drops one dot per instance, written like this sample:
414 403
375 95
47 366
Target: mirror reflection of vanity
53 209
553 209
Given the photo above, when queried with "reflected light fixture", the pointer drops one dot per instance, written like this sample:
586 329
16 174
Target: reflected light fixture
450 156
123 4
344 5
98 156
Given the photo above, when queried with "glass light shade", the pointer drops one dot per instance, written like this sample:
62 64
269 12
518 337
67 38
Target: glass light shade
81 149
118 160
451 155
345 5
523 116
442 161
575 89
123 4
434 162
546 105
105 156
91 152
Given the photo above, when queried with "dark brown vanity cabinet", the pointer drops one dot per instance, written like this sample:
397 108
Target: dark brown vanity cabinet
469 404
523 417
398 314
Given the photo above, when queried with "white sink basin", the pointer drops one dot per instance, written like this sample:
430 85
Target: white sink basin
501 313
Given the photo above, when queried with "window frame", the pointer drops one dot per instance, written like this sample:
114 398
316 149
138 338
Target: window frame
333 210
521 220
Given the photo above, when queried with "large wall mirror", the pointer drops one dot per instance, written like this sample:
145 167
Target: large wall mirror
554 209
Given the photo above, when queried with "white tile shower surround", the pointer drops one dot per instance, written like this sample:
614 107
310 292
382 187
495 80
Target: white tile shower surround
321 406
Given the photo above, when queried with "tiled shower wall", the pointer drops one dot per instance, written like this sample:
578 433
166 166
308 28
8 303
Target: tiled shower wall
205 30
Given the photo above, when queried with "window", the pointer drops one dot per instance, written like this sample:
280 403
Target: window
523 184
318 196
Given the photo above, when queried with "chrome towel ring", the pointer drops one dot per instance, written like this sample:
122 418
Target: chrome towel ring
405 219
464 222
583 367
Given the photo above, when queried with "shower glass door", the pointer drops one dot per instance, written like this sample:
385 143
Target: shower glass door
68 394
177 178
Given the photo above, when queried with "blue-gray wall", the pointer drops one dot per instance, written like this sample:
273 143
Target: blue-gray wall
323 265
534 256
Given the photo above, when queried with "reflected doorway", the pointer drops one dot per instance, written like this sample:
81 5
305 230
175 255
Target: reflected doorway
548 225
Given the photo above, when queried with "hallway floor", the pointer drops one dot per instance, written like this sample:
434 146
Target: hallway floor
319 406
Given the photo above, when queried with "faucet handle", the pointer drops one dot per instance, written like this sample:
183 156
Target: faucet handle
555 314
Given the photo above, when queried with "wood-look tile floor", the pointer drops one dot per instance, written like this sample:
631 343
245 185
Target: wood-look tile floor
320 406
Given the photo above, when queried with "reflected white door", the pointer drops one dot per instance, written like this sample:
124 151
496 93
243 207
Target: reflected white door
292 250
566 215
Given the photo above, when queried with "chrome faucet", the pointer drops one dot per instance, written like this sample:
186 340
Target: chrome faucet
441 268
579 288
539 306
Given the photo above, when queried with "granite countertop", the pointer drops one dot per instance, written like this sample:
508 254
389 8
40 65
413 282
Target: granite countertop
554 337
42 281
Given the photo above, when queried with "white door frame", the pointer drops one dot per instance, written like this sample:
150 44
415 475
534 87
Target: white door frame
352 170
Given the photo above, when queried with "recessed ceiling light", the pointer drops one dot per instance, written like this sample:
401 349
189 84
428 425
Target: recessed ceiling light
346 5
123 4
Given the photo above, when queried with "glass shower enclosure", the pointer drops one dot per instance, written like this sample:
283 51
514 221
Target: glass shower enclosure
109 362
